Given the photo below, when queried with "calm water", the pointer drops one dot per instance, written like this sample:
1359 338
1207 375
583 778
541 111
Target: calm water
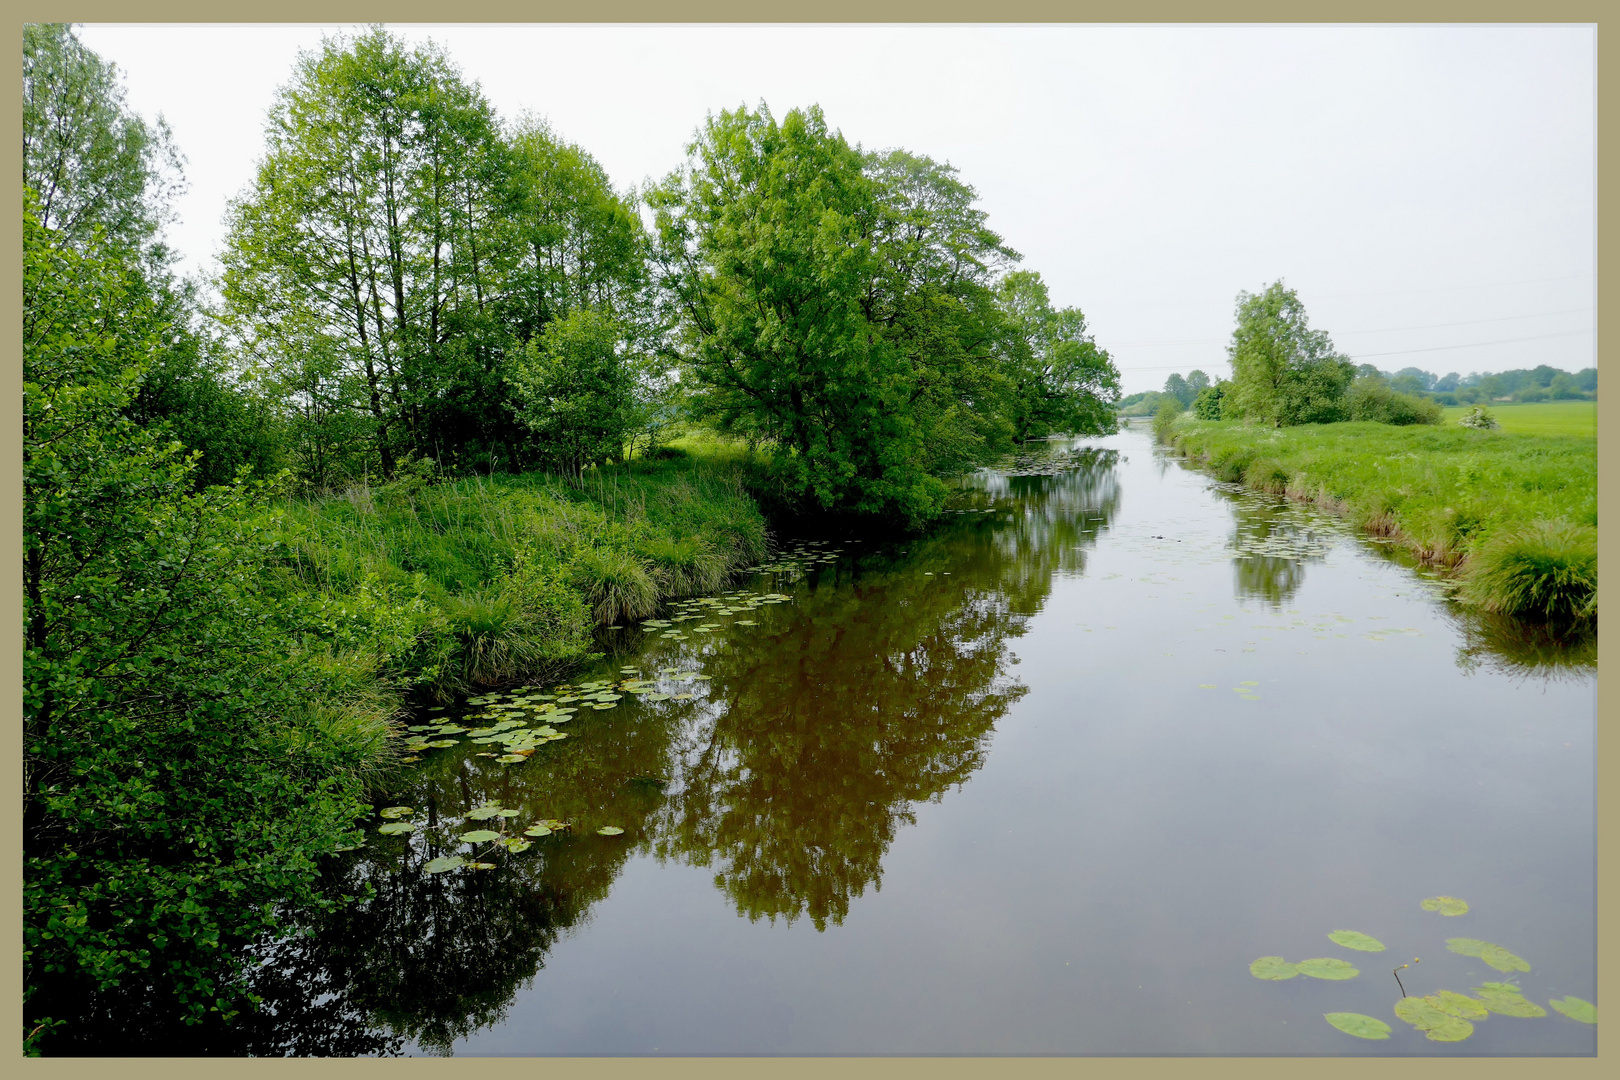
1043 783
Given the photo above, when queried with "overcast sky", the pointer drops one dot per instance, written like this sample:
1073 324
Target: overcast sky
1429 191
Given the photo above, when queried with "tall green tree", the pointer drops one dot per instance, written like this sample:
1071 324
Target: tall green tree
767 255
98 170
1283 372
1058 380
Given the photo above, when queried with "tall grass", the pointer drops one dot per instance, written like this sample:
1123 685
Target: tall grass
503 578
1513 516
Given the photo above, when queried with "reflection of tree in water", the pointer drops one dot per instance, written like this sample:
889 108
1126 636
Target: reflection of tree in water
1272 541
826 726
1049 519
834 717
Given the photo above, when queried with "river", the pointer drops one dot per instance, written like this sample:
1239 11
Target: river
1046 781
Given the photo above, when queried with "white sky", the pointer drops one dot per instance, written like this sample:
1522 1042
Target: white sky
1429 191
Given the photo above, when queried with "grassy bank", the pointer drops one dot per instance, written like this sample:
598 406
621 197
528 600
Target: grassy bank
493 579
1536 418
1512 516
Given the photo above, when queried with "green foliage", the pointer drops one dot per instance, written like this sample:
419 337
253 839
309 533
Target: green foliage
1480 419
1494 955
1437 1024
1328 967
1273 968
1576 1008
1208 404
1164 420
1283 372
575 391
1059 380
1379 402
1508 1000
192 744
104 177
1445 905
1352 939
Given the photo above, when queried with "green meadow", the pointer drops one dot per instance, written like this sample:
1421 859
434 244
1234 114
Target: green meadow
1537 418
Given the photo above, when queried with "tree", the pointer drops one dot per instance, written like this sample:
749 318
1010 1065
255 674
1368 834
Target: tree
1059 381
359 239
191 745
766 254
576 392
98 170
1283 372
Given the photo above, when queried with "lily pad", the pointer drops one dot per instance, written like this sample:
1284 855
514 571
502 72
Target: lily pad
1461 1006
1274 968
514 843
489 865
395 828
609 830
509 759
1362 1027
1437 1025
1494 955
483 813
1576 1009
479 836
1328 967
394 812
443 863
537 830
1352 939
1446 905
442 743
1508 1000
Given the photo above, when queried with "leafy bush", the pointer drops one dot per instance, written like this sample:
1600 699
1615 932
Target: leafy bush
1478 418
1374 400
1164 420
1207 405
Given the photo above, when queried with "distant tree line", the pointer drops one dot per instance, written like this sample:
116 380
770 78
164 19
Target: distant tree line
1285 373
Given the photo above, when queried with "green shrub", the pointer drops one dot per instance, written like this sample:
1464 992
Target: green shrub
1479 418
1164 420
1207 405
1374 400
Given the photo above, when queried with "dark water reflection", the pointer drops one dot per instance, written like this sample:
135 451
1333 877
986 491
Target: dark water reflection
1079 845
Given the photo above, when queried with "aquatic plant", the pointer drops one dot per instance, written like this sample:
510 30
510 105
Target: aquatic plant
1545 570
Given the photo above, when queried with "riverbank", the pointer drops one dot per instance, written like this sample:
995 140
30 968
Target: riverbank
1512 517
490 580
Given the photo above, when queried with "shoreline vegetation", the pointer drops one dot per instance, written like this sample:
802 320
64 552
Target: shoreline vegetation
1510 519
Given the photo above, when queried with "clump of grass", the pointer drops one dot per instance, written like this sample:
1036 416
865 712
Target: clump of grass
1546 570
616 584
1266 475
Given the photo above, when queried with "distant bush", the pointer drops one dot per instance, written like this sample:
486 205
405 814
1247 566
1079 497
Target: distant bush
1531 393
1165 419
1374 400
1479 418
1207 405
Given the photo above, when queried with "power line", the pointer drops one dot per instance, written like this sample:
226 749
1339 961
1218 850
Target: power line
1477 344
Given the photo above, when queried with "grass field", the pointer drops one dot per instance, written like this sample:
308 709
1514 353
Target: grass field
1538 418
1513 514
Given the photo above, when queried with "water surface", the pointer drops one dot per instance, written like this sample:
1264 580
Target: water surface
1044 782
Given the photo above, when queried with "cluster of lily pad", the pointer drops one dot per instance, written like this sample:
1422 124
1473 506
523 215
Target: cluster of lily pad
799 558
706 607
1443 1016
494 814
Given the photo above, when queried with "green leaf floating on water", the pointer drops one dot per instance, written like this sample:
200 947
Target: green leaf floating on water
1362 1027
394 812
1507 999
443 863
1274 968
1576 1009
537 830
483 813
609 830
1438 1026
442 743
1461 1006
394 828
514 843
1328 967
1494 955
1352 939
479 836
1446 905
511 758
